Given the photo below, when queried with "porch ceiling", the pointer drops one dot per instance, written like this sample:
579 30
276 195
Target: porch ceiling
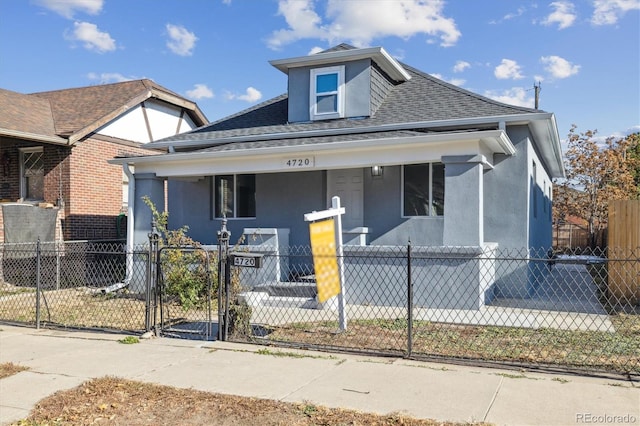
405 149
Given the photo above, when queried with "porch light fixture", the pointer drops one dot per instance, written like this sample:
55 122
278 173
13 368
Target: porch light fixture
376 171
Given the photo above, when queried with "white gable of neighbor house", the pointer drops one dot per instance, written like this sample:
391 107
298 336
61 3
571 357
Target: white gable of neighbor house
163 121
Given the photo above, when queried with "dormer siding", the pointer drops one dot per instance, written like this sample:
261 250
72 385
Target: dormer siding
381 85
357 91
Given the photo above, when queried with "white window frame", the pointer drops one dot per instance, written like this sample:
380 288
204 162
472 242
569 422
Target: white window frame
214 200
402 182
23 183
313 93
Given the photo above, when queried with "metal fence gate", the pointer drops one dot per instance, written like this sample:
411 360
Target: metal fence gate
182 291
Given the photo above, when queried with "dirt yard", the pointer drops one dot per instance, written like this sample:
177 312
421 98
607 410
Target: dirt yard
121 402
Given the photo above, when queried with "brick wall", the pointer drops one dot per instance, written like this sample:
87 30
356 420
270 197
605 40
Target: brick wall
80 179
95 193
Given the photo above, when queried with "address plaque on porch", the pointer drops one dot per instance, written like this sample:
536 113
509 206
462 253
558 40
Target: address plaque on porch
299 162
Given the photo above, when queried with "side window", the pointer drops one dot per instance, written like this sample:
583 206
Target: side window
423 190
234 196
326 93
32 174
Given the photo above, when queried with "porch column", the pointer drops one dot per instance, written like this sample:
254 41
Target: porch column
463 200
153 187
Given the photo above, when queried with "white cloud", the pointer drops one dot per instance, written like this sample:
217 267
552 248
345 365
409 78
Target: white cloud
350 21
108 77
508 69
622 134
68 8
461 66
515 96
521 11
559 67
315 50
607 12
91 37
455 81
181 41
251 95
518 13
200 91
564 14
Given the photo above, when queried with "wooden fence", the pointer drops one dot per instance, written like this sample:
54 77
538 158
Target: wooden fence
624 243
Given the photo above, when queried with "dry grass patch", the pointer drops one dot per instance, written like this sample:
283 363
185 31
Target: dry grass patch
9 369
616 351
123 402
83 307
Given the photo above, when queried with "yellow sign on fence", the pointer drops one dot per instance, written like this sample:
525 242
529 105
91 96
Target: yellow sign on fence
325 261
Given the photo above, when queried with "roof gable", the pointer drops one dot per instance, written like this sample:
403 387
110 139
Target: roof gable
66 116
82 110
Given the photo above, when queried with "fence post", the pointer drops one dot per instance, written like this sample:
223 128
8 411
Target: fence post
409 303
223 267
154 237
38 284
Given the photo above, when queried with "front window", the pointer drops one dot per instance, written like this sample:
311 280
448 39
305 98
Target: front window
423 190
327 93
32 174
235 196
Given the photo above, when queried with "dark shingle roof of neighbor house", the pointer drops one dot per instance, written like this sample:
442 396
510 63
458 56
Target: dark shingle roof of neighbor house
26 114
73 113
422 98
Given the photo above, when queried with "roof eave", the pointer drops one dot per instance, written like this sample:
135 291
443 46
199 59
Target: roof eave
17 134
434 124
496 140
377 54
546 128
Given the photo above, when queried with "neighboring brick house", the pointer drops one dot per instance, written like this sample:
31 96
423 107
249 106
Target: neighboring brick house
54 148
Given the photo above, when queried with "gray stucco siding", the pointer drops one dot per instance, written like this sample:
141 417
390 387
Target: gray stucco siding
382 214
282 199
189 203
506 195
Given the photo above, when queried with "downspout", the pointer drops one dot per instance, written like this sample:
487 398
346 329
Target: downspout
131 198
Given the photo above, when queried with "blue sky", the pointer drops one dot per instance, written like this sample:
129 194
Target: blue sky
585 54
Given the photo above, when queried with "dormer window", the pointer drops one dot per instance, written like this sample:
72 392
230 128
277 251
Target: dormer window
327 93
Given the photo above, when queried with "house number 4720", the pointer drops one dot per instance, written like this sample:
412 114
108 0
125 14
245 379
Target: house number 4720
299 162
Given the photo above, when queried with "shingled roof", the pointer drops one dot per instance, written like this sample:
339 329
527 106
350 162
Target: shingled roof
423 98
27 116
65 116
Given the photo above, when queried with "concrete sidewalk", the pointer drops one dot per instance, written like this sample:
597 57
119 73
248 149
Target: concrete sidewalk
60 360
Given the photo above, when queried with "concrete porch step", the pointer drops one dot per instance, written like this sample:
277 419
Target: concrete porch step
288 289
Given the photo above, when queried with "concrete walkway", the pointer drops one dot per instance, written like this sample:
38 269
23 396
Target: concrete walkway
60 360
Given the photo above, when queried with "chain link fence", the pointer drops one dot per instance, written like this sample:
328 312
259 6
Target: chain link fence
516 307
82 284
575 311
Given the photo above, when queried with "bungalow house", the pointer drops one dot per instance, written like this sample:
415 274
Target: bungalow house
411 156
54 148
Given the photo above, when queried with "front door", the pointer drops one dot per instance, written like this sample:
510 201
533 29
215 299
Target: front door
348 185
